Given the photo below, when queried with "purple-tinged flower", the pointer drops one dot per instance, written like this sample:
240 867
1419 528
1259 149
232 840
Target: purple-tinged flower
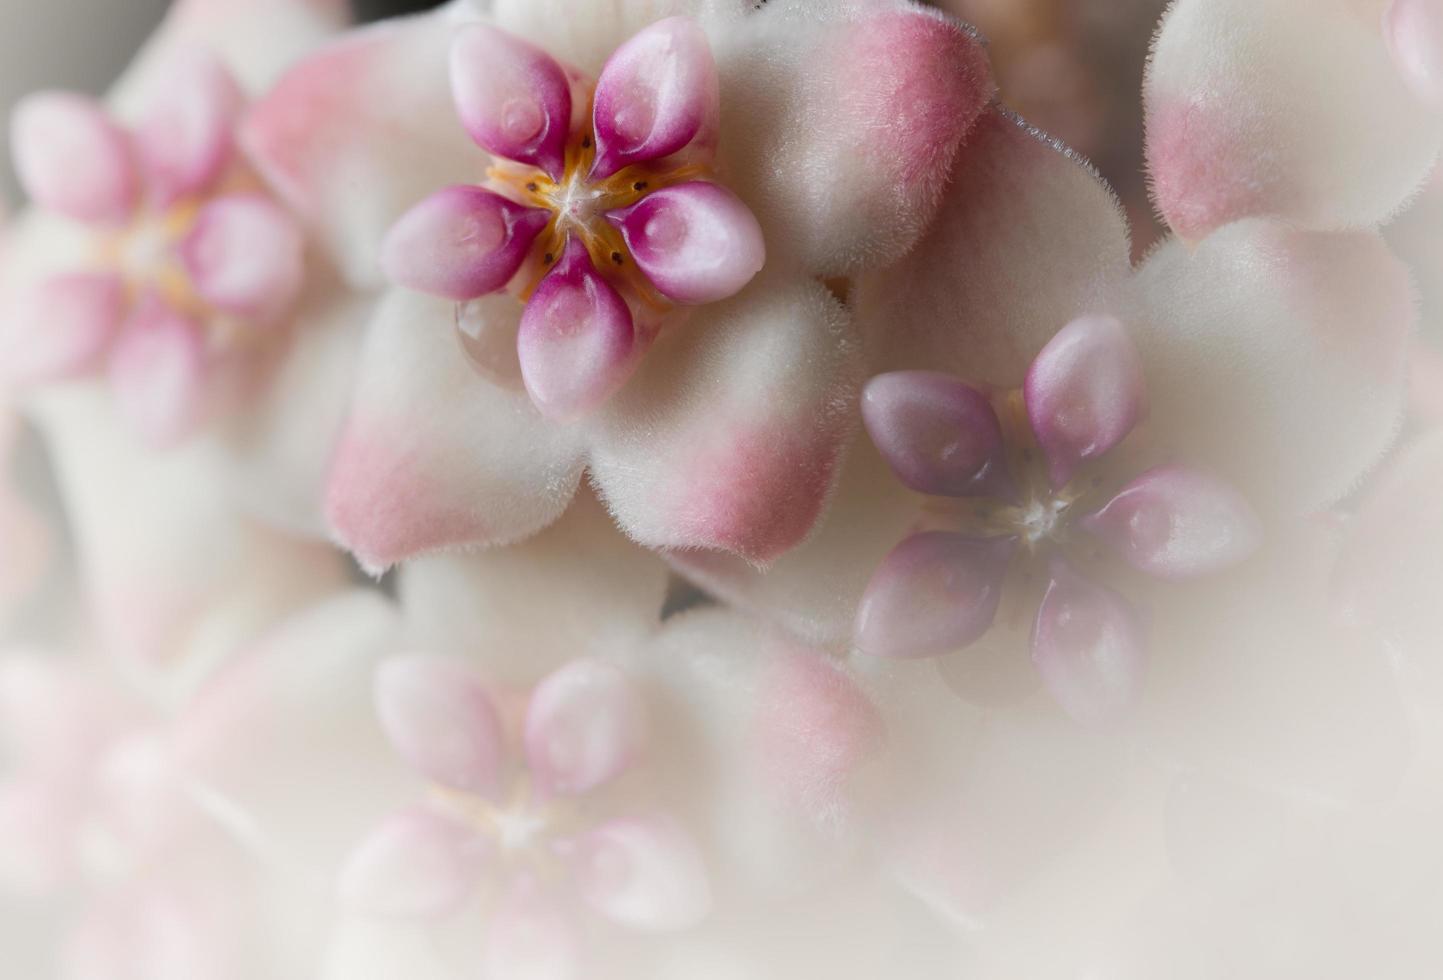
518 815
733 166
1036 514
183 260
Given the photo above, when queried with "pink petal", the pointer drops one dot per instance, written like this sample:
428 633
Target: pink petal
645 873
187 134
1174 522
61 327
657 93
442 722
158 368
577 343
432 454
245 256
72 159
1088 646
934 593
513 98
585 725
461 242
1414 32
939 435
697 242
1084 393
417 863
531 937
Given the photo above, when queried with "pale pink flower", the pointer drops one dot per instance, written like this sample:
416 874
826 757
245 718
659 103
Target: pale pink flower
803 143
25 545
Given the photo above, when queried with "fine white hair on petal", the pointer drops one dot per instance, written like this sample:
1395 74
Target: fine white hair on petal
1286 108
1276 357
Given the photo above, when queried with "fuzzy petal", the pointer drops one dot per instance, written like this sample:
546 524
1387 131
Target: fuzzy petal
62 327
418 864
1277 358
936 592
730 435
1084 393
460 243
72 159
441 721
577 342
585 725
1088 646
656 94
246 256
842 121
939 435
645 873
1028 239
158 369
1286 109
186 137
360 131
1176 523
433 455
512 97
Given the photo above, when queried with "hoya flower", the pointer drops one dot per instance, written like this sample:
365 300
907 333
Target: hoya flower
520 814
1041 504
569 185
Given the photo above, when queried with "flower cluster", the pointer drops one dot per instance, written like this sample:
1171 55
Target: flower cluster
704 488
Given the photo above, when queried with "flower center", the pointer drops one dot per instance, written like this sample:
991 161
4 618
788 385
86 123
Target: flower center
147 255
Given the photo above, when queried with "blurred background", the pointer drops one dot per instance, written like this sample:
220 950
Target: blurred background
1072 67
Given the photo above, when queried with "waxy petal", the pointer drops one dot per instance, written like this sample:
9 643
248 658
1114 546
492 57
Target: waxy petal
1088 646
577 341
939 435
416 864
432 454
934 593
1243 123
158 367
62 327
460 243
1084 393
245 256
1174 522
585 725
697 242
513 98
1413 30
442 722
186 136
657 93
645 873
72 159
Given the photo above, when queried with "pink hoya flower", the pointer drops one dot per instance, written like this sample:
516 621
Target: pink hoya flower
706 202
187 263
528 831
1039 511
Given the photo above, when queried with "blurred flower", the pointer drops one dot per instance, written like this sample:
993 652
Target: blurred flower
25 545
837 125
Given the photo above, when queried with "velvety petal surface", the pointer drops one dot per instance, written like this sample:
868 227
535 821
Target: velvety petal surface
434 456
1288 109
460 243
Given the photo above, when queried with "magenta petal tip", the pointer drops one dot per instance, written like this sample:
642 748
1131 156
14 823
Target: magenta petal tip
934 593
513 98
939 435
1084 393
1176 523
1088 646
577 342
697 242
